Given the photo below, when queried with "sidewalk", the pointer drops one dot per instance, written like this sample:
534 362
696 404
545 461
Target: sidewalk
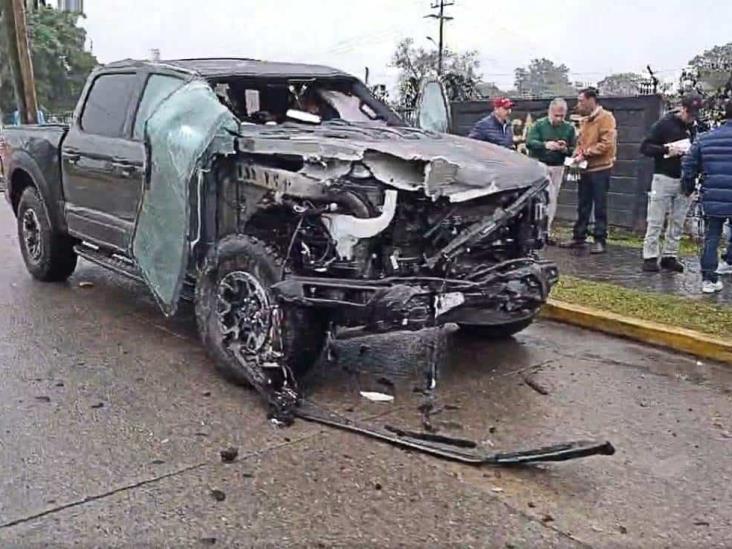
622 266
610 293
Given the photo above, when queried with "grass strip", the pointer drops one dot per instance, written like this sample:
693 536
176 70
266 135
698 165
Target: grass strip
707 318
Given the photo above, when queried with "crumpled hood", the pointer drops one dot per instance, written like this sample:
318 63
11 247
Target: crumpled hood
406 158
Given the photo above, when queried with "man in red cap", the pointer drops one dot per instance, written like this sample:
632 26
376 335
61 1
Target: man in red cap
496 128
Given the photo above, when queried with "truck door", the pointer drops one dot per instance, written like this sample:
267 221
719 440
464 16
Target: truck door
181 139
103 167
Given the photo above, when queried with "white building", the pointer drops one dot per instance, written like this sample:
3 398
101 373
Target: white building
76 6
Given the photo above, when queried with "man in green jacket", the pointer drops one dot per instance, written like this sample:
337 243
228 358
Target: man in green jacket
550 140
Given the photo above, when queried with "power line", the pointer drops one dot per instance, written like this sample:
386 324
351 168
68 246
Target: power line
441 17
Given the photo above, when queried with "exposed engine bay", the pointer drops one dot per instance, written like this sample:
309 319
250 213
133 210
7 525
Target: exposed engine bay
381 239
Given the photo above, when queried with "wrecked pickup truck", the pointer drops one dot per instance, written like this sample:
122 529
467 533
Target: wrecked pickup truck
285 201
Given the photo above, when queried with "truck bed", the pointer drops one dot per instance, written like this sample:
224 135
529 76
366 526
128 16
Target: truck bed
32 148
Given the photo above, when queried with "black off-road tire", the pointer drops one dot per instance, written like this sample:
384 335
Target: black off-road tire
303 329
49 255
500 331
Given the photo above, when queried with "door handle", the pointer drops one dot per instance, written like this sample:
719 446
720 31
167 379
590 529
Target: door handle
72 158
124 169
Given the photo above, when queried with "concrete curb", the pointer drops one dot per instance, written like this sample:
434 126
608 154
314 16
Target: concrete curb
653 333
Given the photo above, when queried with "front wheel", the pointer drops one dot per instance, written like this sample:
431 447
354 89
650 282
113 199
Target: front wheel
500 331
239 318
48 255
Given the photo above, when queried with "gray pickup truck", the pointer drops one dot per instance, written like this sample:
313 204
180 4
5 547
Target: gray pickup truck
286 202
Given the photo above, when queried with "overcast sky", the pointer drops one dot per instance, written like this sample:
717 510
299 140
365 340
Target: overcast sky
592 39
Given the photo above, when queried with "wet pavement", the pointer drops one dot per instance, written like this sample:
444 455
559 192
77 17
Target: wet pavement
622 266
112 420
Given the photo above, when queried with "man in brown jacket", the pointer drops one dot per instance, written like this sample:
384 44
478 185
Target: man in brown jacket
597 145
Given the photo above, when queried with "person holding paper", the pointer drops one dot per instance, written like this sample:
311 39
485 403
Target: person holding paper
597 146
668 140
551 141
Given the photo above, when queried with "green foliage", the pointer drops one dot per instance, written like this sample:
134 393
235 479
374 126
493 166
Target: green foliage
490 89
710 74
656 307
543 78
621 84
459 72
60 63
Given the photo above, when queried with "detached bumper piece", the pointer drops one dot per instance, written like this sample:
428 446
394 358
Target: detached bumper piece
460 450
413 303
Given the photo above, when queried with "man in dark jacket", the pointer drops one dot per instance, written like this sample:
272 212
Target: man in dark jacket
496 128
666 196
710 158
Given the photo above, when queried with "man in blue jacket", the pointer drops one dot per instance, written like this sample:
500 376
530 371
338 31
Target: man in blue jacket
496 127
711 158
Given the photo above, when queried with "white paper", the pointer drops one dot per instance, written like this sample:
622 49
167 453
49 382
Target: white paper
252 101
570 162
683 145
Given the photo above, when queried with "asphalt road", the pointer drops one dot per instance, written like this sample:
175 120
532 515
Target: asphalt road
112 419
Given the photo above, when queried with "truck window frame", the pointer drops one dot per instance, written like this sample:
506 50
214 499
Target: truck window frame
146 76
133 99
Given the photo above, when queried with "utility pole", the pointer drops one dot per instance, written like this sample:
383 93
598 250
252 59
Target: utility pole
20 60
441 17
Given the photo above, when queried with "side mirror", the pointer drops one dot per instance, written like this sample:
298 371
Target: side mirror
302 116
433 108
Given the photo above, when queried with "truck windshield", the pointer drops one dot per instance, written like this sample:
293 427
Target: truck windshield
266 101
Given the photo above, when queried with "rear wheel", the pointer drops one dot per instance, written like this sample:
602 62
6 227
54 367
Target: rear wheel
48 255
236 309
500 331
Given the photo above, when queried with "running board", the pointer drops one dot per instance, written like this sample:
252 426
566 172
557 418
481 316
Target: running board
107 260
460 450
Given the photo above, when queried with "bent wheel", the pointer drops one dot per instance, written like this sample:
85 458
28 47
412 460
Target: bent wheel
249 335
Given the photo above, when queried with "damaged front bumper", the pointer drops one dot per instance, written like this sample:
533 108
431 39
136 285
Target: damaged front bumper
500 294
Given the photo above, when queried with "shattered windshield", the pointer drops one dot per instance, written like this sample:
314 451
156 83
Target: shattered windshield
268 101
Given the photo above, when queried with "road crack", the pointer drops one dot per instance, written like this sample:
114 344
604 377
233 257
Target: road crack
134 486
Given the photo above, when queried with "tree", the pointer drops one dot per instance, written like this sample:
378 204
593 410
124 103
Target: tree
624 83
459 72
60 63
713 67
489 89
543 78
710 74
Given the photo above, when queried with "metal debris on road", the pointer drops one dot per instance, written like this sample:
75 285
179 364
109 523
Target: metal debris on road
229 454
558 452
86 284
535 384
218 495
